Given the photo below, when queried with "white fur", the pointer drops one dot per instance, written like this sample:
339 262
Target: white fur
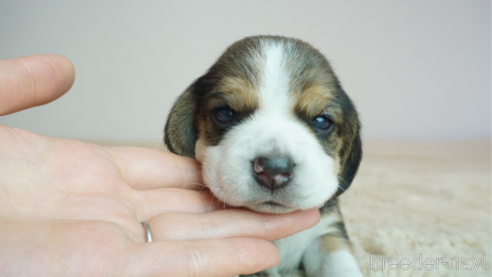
292 249
337 264
305 247
273 128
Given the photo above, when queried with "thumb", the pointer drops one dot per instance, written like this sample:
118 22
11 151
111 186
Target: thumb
31 81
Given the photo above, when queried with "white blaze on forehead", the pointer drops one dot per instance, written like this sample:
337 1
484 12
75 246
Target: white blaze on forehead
274 82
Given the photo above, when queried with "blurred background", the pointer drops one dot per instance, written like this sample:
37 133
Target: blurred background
416 70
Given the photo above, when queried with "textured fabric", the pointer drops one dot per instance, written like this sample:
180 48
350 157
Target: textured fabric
429 198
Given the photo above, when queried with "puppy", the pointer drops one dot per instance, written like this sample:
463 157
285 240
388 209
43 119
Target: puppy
275 132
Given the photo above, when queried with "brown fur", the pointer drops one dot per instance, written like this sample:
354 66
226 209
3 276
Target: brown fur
180 130
312 101
332 242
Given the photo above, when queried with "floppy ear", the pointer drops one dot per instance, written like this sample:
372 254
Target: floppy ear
351 164
180 134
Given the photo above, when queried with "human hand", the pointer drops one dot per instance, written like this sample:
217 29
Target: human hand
69 208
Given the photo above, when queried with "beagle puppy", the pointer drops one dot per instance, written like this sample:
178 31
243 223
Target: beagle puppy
275 132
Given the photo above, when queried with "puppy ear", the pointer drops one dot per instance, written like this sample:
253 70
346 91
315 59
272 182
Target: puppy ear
180 134
351 164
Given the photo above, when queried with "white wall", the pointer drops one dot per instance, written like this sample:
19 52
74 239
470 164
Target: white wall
415 69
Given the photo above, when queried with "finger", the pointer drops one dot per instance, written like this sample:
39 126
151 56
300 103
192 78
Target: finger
204 258
144 168
31 81
230 223
151 203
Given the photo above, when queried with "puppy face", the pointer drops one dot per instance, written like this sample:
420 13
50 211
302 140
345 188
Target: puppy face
271 125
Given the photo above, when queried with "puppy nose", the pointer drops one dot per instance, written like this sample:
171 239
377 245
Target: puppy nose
273 172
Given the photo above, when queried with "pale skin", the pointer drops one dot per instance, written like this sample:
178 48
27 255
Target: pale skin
70 208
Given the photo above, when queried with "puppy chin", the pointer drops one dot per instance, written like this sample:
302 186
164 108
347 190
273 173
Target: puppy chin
271 208
277 208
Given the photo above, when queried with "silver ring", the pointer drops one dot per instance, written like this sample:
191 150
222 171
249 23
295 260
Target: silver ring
148 235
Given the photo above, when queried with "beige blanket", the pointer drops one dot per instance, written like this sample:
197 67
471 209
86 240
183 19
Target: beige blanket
422 201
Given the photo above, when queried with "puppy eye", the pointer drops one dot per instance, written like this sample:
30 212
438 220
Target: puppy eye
322 122
224 115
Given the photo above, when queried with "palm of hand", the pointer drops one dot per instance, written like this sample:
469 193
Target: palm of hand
70 189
